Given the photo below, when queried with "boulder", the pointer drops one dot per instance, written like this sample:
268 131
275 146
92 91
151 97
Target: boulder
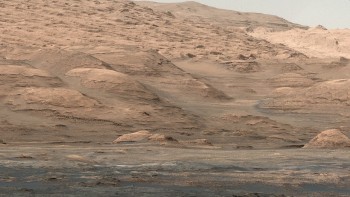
332 138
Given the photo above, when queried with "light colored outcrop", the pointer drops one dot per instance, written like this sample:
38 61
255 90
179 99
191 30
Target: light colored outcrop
134 137
332 138
329 94
145 136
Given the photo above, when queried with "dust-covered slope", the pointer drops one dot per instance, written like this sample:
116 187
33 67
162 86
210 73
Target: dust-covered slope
65 94
315 42
202 13
108 25
104 68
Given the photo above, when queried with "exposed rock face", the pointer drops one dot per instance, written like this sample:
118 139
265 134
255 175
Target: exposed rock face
314 42
319 27
160 139
330 95
51 97
133 137
332 138
144 136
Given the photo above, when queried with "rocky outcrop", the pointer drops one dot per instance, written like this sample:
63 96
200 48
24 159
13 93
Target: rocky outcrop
332 138
134 137
144 136
330 95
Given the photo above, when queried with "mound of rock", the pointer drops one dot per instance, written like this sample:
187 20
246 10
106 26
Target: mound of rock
242 66
333 90
332 138
340 63
290 67
319 27
97 74
57 61
15 76
291 80
144 136
110 81
334 93
50 97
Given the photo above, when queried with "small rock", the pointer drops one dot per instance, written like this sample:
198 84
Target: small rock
190 55
249 57
200 47
24 157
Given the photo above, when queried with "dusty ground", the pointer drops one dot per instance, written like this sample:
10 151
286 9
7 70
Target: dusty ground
133 170
224 109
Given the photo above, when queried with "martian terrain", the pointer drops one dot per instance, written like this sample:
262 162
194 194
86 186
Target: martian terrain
123 98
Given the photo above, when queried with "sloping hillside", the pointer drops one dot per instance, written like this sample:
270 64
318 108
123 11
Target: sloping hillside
315 42
192 10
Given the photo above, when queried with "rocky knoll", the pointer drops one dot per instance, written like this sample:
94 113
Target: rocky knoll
331 95
332 138
314 42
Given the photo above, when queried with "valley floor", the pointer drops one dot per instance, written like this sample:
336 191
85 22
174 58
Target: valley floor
146 170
